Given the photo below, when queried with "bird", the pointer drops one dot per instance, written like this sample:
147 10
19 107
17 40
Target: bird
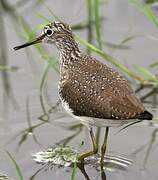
89 89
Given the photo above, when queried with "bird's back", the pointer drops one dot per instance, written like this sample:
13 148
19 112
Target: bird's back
90 88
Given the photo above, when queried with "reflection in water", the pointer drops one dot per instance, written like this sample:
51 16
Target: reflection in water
4 177
81 167
37 172
148 147
153 139
103 175
46 113
83 171
78 129
7 89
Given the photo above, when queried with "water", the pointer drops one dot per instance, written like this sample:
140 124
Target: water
22 141
23 134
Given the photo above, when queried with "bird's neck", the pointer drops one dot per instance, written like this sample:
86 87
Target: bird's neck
69 51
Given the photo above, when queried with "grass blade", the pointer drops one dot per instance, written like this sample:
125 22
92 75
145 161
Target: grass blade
28 34
18 171
50 60
46 20
44 77
128 125
50 11
7 68
110 59
146 74
74 171
146 10
89 24
97 22
154 4
154 64
129 38
26 31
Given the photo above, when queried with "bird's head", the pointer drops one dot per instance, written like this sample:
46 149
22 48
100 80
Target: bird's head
56 32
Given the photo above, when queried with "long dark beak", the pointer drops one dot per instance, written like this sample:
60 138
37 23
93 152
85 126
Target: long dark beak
35 41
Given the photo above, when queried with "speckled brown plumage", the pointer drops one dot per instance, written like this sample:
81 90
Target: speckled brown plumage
95 90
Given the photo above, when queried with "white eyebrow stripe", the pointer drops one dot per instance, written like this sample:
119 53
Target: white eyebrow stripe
48 26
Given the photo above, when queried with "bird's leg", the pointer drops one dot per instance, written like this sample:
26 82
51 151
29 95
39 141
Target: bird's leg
103 148
95 148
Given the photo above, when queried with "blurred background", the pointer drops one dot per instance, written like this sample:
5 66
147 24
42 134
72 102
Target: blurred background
120 33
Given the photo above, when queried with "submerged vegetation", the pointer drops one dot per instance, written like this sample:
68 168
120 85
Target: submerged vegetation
144 78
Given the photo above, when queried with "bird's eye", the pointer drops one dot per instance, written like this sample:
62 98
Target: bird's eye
49 32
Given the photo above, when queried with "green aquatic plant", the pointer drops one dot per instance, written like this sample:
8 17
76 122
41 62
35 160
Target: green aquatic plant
28 34
97 22
17 167
61 155
8 68
146 9
110 59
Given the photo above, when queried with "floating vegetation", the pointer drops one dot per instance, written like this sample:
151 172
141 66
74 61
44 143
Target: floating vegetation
66 156
62 156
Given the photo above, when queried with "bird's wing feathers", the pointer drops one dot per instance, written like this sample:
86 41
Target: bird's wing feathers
96 90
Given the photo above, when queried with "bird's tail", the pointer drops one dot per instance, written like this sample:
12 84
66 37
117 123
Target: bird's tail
145 116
